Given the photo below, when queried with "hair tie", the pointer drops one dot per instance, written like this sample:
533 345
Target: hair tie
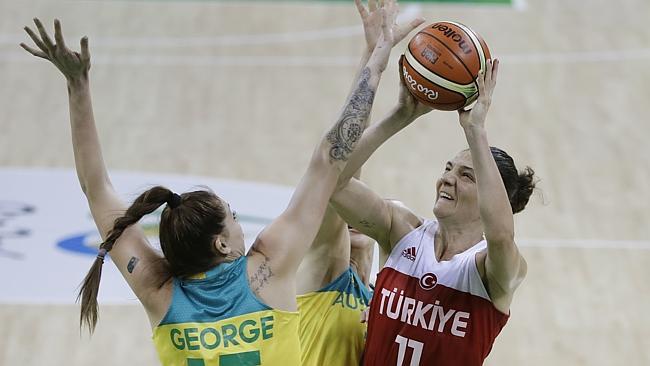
101 254
174 200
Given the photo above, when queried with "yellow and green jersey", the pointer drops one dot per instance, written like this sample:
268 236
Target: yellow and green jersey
215 320
330 329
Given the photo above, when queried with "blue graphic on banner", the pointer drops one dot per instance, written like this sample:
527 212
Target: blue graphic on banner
77 244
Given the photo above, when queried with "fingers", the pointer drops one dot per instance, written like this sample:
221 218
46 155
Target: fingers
36 39
362 9
495 71
44 37
391 8
34 52
386 24
491 69
58 35
404 30
415 23
85 54
480 83
488 72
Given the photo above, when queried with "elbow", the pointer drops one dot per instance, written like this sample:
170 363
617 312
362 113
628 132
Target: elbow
93 188
501 237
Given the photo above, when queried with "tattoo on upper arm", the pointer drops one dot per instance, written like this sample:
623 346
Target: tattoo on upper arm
261 276
348 130
132 263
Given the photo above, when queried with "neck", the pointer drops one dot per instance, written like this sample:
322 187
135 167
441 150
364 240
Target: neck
453 237
230 257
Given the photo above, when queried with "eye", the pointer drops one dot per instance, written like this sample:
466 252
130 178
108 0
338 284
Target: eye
234 215
469 176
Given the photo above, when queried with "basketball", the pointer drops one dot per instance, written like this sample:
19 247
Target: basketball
441 63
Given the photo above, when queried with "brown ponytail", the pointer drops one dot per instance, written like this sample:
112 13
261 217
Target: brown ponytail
145 204
519 186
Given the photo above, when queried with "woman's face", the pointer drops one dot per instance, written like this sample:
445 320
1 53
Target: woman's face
456 190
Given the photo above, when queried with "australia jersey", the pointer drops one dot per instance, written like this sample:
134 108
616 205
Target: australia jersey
426 312
330 329
216 320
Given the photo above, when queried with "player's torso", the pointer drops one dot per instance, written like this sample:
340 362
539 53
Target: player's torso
426 312
330 329
218 321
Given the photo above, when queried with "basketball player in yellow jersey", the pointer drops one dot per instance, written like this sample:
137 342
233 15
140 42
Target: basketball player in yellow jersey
333 291
208 302
332 280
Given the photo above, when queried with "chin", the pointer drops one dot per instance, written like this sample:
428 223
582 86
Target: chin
441 213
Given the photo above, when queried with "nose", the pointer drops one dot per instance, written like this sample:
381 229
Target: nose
448 178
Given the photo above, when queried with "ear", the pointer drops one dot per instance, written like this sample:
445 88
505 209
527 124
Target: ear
220 246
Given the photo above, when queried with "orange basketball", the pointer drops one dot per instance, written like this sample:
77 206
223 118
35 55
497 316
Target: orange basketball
441 64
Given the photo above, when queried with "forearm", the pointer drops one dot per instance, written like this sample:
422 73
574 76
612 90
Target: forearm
89 162
341 140
362 65
493 201
372 139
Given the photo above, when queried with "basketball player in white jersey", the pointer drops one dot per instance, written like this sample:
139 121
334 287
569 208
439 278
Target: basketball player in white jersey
445 291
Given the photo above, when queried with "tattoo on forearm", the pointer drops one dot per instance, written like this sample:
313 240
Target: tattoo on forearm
132 263
261 277
345 134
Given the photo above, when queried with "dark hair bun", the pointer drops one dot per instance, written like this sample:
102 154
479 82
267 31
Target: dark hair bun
526 185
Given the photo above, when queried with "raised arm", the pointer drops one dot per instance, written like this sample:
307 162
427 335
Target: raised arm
329 254
135 259
279 249
371 19
383 220
504 265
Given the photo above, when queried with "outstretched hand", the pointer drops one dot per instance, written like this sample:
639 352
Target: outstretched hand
486 82
73 65
391 33
372 18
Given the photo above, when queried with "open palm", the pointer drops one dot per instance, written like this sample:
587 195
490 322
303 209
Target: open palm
73 65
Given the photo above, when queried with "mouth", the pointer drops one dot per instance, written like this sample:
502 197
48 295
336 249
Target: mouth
445 196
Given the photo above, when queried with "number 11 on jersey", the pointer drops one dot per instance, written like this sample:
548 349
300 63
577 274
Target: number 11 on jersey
417 350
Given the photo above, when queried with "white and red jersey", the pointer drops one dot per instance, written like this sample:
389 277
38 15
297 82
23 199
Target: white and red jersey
425 312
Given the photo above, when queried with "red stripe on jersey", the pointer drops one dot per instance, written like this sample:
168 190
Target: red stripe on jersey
410 325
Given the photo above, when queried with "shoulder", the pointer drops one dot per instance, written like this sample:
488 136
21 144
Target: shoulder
403 221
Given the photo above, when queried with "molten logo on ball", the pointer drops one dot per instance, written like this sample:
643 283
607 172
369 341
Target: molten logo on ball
428 281
451 34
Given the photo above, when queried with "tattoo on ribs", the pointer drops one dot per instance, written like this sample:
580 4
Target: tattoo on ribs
261 277
345 134
367 224
132 263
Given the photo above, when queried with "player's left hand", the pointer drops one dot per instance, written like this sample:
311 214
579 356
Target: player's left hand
73 65
486 82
